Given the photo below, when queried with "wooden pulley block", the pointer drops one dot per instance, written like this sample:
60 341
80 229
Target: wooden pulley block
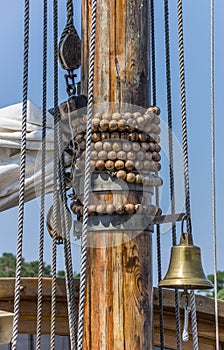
121 124
116 145
100 165
112 155
129 165
107 146
113 125
129 208
91 209
105 135
115 135
138 165
156 157
130 177
116 116
100 209
133 136
104 125
131 155
69 52
143 137
98 146
126 146
102 155
121 155
110 209
96 136
119 164
121 174
109 165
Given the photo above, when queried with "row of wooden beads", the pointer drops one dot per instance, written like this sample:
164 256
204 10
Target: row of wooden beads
110 209
122 145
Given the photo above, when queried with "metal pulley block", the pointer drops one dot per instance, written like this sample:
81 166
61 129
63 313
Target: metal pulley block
69 51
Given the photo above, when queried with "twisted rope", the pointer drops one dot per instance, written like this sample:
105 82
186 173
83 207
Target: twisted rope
158 237
171 157
214 174
55 195
87 179
22 178
43 163
185 151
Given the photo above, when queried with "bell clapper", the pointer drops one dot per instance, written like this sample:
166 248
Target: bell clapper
187 310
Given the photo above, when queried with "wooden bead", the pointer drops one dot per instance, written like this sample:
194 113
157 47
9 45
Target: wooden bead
131 155
109 165
96 136
140 155
107 146
119 164
100 164
98 146
102 155
147 165
148 155
91 209
122 124
131 124
100 209
127 115
115 135
112 155
145 146
120 210
130 177
154 138
152 147
148 128
138 165
121 155
138 208
138 178
105 135
113 125
116 146
155 129
156 110
110 209
96 122
153 165
104 124
143 137
156 120
129 165
157 147
121 175
116 116
158 166
140 122
94 155
82 145
129 208
98 115
92 164
156 156
136 115
148 118
78 138
126 146
106 116
133 136
136 147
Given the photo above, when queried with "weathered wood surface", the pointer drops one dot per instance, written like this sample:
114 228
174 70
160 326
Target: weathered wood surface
28 309
118 313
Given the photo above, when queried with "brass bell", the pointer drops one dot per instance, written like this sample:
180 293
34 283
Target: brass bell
185 270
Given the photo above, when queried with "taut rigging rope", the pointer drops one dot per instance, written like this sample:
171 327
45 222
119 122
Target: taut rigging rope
213 174
87 178
22 177
185 152
171 157
43 163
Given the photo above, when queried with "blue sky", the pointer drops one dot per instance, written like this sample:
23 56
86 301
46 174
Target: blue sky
197 59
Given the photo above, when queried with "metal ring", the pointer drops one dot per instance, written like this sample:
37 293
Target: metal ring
186 217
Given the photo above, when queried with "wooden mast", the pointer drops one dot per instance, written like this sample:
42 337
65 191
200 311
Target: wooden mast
118 311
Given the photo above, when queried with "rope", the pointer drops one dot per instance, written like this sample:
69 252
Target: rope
87 178
42 206
22 177
158 233
214 174
69 24
185 151
55 196
171 157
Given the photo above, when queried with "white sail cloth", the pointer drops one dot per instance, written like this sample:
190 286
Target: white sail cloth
10 147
